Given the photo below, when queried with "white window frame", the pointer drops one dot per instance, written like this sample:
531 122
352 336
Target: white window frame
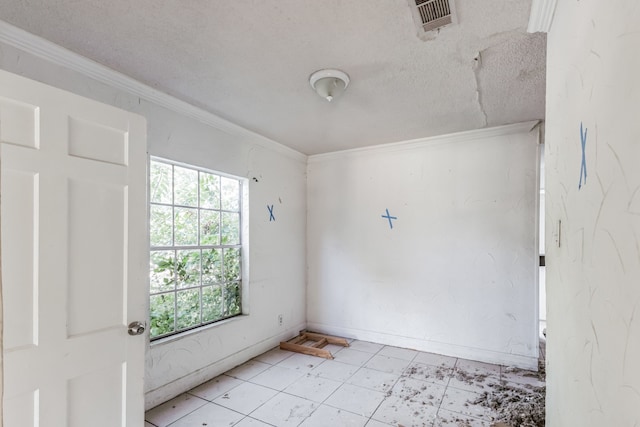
241 246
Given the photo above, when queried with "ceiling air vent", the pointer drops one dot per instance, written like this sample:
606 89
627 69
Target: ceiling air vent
432 14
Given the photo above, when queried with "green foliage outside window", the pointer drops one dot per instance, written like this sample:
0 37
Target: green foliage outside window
195 259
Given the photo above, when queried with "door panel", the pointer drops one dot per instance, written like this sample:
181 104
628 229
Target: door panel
74 258
103 254
94 141
20 190
20 123
21 410
82 394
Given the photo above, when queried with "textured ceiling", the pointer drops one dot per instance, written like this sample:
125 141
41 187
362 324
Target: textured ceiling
249 61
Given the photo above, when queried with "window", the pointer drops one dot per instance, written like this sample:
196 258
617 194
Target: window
196 253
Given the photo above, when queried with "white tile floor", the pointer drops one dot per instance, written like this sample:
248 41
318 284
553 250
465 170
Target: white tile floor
366 385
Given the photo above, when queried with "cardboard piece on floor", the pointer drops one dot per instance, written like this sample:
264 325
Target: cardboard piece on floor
316 349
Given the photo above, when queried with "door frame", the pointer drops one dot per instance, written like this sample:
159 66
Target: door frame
1 327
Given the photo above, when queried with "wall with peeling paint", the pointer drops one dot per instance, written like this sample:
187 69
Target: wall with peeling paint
457 273
276 281
593 262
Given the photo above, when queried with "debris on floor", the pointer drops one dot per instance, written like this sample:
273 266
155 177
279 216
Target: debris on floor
426 372
510 404
470 378
516 405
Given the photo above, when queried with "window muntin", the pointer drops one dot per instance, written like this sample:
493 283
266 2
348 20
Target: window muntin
195 247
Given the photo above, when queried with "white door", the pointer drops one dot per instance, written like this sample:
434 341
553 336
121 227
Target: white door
74 258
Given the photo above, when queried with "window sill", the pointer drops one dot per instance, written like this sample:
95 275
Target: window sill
191 332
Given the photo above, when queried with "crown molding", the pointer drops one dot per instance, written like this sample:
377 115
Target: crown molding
541 15
493 132
56 54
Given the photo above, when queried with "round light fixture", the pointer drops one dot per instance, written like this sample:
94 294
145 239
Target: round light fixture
329 83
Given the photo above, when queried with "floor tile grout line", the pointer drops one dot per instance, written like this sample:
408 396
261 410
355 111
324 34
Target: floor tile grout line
213 403
178 419
262 404
185 415
255 409
341 409
310 413
446 388
289 394
222 394
345 382
247 416
388 394
260 421
312 401
230 409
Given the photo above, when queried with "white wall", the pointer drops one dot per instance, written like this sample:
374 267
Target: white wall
277 249
457 274
593 278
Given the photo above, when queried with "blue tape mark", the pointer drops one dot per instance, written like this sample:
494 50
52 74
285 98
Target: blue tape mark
271 217
389 217
583 166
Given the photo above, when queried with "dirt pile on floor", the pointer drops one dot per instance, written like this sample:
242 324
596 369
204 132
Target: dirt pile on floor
515 405
469 378
440 373
520 406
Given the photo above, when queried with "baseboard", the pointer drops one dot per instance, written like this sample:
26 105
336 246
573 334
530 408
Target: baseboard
478 354
169 391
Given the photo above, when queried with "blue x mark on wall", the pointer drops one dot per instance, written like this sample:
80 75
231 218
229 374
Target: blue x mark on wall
271 217
389 217
583 166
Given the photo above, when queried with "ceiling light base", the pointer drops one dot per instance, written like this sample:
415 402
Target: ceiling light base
329 83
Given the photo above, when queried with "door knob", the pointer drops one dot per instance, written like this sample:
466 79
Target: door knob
136 328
